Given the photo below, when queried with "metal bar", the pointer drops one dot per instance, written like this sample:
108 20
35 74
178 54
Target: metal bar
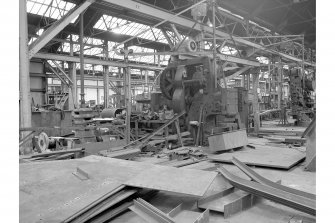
209 54
25 99
52 56
59 152
167 16
62 71
279 36
297 202
58 26
167 38
149 212
176 32
258 178
56 73
237 73
176 123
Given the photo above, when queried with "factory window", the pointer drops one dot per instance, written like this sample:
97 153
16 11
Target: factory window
54 9
126 27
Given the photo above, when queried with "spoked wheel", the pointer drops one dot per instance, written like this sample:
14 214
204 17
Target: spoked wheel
166 82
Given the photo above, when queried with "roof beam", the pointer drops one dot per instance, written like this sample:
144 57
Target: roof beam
237 73
58 26
182 21
75 59
104 35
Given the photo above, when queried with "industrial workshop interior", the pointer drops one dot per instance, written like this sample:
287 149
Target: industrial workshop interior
186 111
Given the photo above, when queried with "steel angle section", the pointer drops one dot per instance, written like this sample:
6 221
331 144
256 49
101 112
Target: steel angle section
149 212
294 201
258 178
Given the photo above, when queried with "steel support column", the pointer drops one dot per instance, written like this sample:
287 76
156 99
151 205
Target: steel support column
81 41
58 26
255 104
72 73
25 101
280 84
106 77
214 45
127 94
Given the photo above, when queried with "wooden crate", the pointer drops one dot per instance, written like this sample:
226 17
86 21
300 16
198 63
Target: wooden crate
227 140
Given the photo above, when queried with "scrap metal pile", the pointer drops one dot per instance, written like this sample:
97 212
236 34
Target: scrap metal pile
99 189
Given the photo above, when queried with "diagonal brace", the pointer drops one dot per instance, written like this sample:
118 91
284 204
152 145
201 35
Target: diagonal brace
239 72
62 71
57 74
58 26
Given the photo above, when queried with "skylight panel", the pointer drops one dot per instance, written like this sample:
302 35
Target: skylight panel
122 26
49 8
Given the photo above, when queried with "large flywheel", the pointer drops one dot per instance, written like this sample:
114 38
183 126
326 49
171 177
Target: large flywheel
166 82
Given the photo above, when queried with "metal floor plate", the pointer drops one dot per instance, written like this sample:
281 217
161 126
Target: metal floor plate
184 181
283 158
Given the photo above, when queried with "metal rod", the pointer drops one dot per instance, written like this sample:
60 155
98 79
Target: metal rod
25 107
81 41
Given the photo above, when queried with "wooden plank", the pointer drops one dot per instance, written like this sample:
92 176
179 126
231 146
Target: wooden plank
227 140
276 157
184 181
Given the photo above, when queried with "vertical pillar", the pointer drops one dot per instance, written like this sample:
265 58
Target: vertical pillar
303 65
248 82
280 84
255 105
269 78
25 101
214 45
73 103
243 81
81 41
106 77
127 93
98 93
